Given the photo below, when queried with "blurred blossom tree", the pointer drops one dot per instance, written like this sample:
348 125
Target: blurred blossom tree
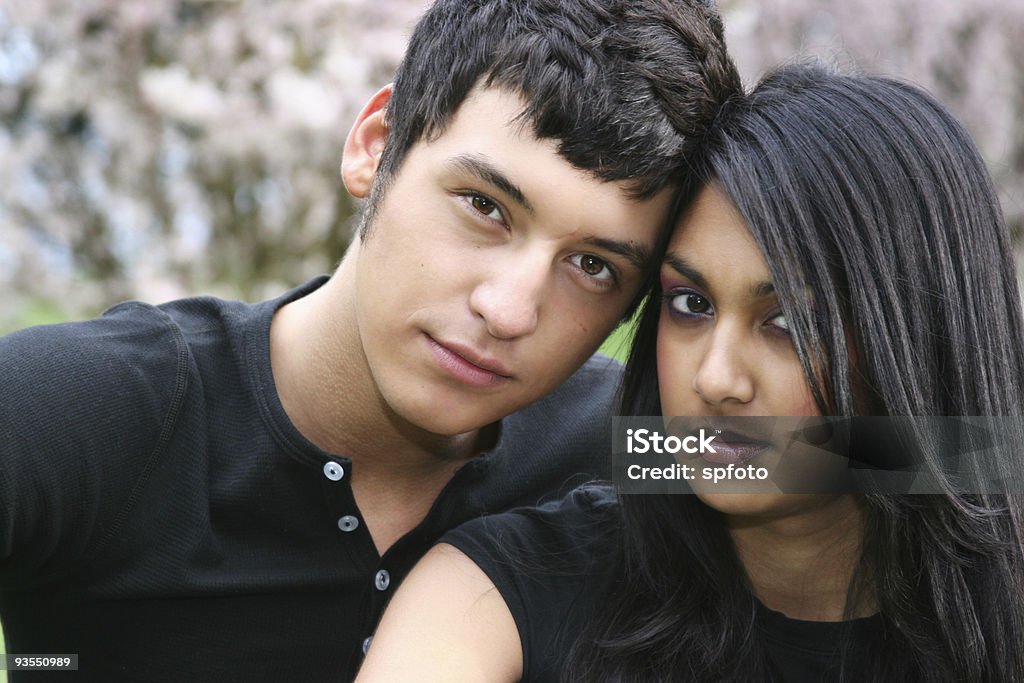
153 148
968 53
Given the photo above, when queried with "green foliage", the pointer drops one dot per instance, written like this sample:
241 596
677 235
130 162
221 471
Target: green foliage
33 312
618 343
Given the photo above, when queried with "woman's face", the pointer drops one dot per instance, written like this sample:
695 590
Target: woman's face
724 348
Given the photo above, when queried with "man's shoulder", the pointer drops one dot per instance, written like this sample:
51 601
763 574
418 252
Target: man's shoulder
108 354
578 413
77 390
564 438
598 368
134 362
85 407
131 340
590 391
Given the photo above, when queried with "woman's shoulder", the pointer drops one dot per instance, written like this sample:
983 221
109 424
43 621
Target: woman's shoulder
561 534
552 566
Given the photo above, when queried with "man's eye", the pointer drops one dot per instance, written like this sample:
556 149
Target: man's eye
689 303
486 206
593 266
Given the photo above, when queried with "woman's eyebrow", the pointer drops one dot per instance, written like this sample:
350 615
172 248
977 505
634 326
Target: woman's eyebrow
758 290
762 290
679 264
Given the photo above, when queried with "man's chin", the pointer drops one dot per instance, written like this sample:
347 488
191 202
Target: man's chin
447 419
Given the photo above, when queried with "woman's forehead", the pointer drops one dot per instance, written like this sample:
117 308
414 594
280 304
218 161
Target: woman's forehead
712 239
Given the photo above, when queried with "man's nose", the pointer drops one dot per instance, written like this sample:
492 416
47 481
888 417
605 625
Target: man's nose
510 294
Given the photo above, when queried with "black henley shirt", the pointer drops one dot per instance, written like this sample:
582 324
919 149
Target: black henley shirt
162 518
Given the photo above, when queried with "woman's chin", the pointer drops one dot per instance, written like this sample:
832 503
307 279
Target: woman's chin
767 505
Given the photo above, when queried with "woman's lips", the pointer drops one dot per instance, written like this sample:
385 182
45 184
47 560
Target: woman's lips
733 448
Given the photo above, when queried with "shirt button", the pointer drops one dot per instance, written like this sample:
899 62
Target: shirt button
366 644
348 523
382 580
333 470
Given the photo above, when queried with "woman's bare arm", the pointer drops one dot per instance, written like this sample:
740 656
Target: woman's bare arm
446 624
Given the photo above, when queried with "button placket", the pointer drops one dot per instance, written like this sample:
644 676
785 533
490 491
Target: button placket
348 523
333 470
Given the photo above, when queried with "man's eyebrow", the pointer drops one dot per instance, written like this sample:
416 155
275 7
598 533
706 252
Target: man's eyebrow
637 254
481 167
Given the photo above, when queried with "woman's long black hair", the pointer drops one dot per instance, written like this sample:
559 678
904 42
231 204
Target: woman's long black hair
868 194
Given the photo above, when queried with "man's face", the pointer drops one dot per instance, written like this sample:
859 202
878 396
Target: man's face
493 269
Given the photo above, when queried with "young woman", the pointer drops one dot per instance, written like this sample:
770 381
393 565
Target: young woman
842 253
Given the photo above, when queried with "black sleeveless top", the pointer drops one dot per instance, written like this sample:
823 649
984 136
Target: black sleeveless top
554 566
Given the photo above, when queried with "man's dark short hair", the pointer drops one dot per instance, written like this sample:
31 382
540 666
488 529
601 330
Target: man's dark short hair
626 87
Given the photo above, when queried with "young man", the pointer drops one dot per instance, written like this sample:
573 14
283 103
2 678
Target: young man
206 489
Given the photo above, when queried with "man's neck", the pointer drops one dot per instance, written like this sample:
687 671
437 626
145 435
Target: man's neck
327 390
803 564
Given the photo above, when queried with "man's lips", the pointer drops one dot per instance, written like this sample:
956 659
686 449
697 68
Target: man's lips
467 364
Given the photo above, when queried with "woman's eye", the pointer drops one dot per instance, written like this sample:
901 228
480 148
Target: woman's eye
486 206
689 303
593 266
780 322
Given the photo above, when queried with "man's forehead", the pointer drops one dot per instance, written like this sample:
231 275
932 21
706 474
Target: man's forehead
500 107
497 104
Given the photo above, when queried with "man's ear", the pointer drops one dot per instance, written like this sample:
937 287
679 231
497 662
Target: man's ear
364 145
